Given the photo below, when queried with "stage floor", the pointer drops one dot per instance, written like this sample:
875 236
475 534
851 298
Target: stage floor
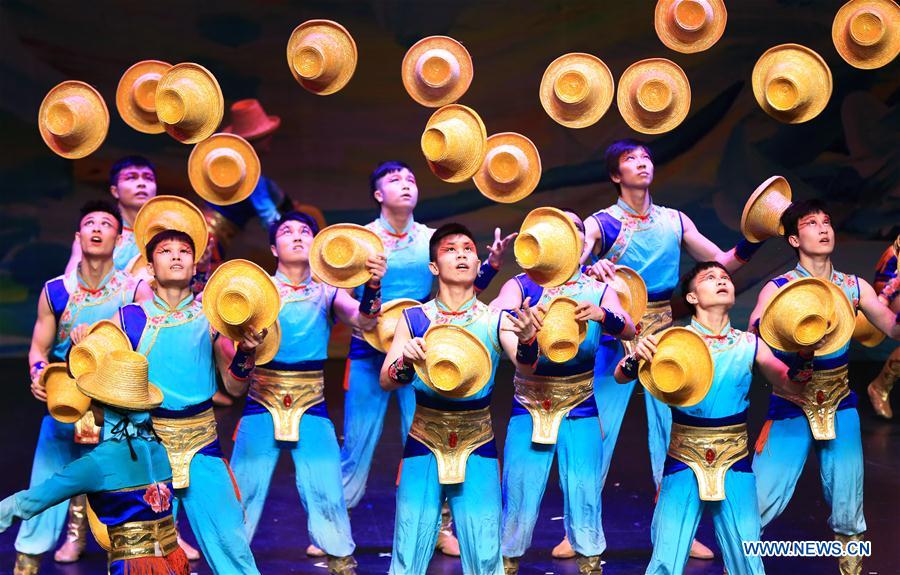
628 498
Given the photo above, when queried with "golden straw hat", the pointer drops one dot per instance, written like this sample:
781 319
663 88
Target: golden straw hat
240 294
223 169
511 169
791 83
189 102
690 26
681 372
865 333
103 337
268 349
457 364
797 315
250 121
632 292
98 528
547 247
382 335
65 403
841 324
561 333
121 381
654 96
136 96
761 218
454 143
322 56
73 119
437 71
577 89
866 33
163 213
339 252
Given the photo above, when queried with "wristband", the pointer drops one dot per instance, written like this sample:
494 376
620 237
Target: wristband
801 369
370 303
399 372
527 352
745 249
612 323
485 274
36 367
242 364
630 366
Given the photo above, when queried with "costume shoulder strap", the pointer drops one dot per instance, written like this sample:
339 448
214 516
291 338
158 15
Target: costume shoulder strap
416 321
529 289
133 319
610 227
57 296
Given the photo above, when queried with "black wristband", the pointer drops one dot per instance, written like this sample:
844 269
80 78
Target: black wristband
630 366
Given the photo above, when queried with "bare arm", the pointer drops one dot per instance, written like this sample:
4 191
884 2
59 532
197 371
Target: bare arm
776 372
610 301
591 237
75 256
346 308
41 342
765 294
876 312
143 293
510 296
404 346
703 250
224 350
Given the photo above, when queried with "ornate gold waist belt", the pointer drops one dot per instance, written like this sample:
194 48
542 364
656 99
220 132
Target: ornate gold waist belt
287 395
709 452
822 394
452 436
86 430
549 399
657 318
142 539
183 438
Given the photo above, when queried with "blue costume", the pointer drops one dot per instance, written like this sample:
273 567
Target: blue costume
126 252
708 465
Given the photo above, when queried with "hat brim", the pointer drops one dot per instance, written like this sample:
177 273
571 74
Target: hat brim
522 189
599 101
820 94
776 184
197 172
701 373
435 98
865 333
112 334
351 278
214 110
258 132
87 384
71 413
628 279
377 337
479 355
347 46
685 41
845 319
476 149
265 307
670 118
98 120
566 269
171 213
146 122
767 328
867 57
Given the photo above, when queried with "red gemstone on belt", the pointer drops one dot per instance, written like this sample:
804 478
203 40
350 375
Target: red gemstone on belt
546 404
287 401
710 456
820 396
453 439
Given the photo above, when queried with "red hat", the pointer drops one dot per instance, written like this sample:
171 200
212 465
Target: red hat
250 121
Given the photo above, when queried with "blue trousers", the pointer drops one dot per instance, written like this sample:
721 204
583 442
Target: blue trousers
317 470
784 454
365 404
525 470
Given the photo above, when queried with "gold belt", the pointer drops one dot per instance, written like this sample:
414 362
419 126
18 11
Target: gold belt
822 394
86 430
657 318
452 436
287 395
549 399
137 539
183 438
709 452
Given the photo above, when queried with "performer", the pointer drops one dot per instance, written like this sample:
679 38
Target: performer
291 388
554 388
68 305
716 428
475 502
648 238
789 431
887 288
127 476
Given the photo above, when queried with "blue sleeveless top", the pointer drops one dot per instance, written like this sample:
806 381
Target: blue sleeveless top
306 317
126 250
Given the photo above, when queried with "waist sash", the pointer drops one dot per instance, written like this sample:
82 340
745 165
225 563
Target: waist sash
137 539
451 436
709 452
550 399
656 318
183 437
823 394
287 395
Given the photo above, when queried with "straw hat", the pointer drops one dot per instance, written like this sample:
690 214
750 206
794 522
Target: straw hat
268 349
457 364
240 294
576 90
98 528
547 247
73 119
65 403
791 83
437 71
121 381
454 143
223 169
339 252
632 292
136 96
103 337
382 335
690 26
561 333
163 213
654 96
865 333
841 324
797 315
866 33
189 103
322 56
761 218
511 169
681 372
250 121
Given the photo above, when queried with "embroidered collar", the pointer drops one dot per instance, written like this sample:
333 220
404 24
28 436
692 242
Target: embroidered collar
629 211
803 272
285 281
82 284
708 333
162 305
391 231
444 310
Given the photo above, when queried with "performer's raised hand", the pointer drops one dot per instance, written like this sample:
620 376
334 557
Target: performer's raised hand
604 270
37 388
646 347
498 248
251 339
587 311
376 264
527 324
414 350
79 332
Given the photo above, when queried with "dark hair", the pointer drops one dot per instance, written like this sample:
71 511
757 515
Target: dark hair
571 211
450 229
799 210
128 162
614 153
100 206
293 216
688 278
383 169
168 235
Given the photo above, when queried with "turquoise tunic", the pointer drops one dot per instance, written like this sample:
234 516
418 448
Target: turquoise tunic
126 250
306 317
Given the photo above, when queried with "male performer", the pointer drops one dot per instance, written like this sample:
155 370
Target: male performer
788 434
308 308
92 291
555 387
886 286
716 427
475 503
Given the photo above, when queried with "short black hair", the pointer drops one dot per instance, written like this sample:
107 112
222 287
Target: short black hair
614 153
449 229
297 216
688 278
128 162
100 206
383 169
799 210
168 235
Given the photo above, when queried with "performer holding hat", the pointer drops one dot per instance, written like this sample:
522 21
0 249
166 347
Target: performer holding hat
886 285
827 418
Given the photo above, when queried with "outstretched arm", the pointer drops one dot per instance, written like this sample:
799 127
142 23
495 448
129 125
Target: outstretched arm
876 312
703 250
786 381
765 294
510 296
41 341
